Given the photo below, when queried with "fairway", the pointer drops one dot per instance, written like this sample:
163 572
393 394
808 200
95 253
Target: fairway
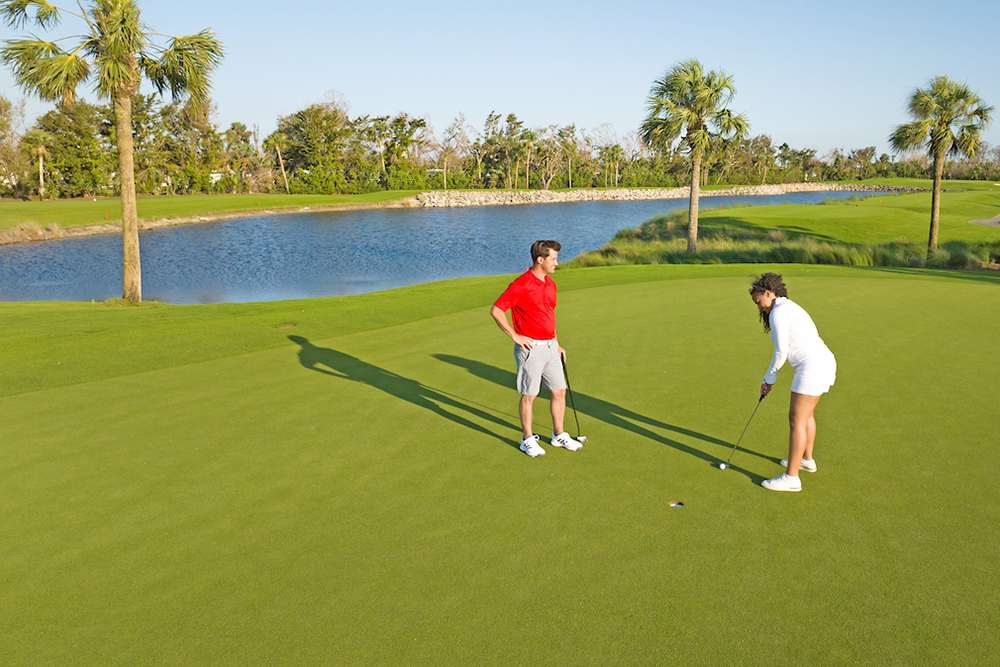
872 219
87 211
337 481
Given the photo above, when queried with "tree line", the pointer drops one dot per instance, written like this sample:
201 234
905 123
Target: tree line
178 148
173 148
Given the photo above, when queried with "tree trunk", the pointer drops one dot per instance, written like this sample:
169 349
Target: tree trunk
132 273
41 173
446 173
693 203
932 241
281 162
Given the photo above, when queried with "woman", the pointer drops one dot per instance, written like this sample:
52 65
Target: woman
796 340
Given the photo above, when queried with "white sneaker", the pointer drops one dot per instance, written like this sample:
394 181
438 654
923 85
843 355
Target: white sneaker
566 441
809 465
531 447
783 482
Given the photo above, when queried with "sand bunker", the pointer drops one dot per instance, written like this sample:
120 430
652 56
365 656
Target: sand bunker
989 222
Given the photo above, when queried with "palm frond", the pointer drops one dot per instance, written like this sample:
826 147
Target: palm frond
922 104
731 125
185 67
43 68
910 136
948 118
16 13
688 98
968 141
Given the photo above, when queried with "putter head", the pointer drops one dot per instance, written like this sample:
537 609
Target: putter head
581 438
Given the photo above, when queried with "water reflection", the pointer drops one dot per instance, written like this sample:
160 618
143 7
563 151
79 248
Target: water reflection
303 255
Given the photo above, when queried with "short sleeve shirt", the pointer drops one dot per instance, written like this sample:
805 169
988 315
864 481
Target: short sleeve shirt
532 303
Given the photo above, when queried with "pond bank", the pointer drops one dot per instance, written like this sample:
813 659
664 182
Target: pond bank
444 199
507 198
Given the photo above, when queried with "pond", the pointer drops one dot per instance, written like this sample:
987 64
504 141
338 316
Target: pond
303 255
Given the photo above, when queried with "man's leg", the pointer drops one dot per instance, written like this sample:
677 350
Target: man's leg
558 409
526 410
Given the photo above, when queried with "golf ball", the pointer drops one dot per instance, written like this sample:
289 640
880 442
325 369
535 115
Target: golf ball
722 466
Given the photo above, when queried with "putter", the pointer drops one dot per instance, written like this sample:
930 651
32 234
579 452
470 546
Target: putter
569 390
723 466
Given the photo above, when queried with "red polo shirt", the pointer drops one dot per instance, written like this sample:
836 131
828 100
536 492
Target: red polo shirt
532 303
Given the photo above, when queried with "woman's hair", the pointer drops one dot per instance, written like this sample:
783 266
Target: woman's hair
771 282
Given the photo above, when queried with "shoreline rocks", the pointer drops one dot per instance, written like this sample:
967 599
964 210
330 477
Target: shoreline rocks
459 198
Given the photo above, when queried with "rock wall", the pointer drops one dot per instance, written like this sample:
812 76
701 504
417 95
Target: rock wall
455 198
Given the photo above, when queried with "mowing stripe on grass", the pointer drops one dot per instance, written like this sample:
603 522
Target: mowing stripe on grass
356 496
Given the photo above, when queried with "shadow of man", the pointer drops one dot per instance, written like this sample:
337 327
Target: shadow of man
344 366
613 415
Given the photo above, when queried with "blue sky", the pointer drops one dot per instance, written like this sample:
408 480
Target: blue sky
815 75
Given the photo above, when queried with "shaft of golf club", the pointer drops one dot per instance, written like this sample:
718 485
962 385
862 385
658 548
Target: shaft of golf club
569 390
744 429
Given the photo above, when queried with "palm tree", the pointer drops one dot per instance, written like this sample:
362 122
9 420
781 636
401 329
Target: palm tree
688 101
277 141
118 49
948 118
38 141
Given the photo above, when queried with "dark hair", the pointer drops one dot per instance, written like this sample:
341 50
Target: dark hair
769 282
541 249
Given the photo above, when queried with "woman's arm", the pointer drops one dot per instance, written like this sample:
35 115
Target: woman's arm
780 338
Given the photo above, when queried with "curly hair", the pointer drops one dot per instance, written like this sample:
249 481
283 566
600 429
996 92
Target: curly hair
769 282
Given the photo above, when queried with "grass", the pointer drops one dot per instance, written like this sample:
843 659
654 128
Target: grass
871 220
663 240
68 213
888 230
189 485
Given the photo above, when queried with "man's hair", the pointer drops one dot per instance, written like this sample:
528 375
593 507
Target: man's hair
542 248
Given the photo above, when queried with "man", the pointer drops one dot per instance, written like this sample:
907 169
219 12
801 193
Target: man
532 302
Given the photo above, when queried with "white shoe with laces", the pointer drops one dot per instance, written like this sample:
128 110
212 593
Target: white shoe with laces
531 447
783 482
809 465
566 441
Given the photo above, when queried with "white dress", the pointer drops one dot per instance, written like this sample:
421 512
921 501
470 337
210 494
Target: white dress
796 340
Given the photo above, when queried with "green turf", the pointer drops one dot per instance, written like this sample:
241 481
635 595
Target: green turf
69 213
872 219
226 495
926 183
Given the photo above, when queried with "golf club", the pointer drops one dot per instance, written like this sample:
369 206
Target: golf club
723 466
581 438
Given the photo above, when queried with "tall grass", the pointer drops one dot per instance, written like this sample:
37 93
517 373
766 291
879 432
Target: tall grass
663 240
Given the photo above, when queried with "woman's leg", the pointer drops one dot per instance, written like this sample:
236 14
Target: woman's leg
801 430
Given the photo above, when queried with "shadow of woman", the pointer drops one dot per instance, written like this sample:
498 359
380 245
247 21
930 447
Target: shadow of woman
344 366
615 415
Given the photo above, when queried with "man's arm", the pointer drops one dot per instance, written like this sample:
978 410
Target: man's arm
501 320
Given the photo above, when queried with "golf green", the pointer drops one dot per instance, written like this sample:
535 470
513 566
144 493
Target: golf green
348 490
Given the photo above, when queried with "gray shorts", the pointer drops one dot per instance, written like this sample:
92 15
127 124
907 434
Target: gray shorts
539 364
